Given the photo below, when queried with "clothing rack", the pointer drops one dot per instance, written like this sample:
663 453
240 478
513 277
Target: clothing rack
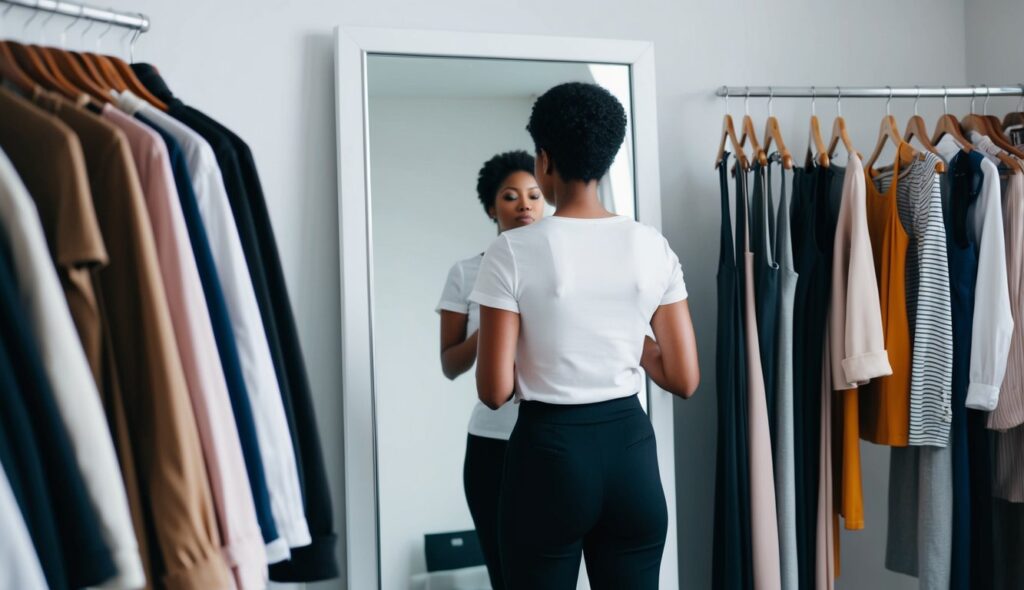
869 91
129 20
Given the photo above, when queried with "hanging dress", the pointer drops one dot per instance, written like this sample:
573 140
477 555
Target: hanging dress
763 517
731 551
785 480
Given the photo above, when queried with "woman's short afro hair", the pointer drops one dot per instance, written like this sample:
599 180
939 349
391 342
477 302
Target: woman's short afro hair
494 173
581 126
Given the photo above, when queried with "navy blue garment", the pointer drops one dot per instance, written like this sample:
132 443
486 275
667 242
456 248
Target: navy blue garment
227 348
767 285
86 557
316 561
813 215
960 187
20 460
731 566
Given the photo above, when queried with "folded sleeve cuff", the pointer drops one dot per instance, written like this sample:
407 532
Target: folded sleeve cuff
982 397
456 306
674 296
861 368
492 301
277 550
209 572
314 562
248 560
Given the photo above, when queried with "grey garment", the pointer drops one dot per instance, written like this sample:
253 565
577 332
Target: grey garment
785 467
920 535
1008 525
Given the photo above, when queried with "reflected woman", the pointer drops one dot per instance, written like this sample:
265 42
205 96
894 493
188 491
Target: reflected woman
566 334
511 198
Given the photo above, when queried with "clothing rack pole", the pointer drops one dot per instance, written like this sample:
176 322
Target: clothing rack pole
868 91
128 20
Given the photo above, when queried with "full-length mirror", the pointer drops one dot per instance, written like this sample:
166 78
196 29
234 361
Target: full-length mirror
450 166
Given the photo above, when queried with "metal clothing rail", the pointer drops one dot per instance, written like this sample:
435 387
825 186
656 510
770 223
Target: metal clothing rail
869 91
128 20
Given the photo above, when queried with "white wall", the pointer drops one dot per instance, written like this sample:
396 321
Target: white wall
264 68
425 155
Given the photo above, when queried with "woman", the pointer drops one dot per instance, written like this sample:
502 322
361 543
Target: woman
566 334
511 198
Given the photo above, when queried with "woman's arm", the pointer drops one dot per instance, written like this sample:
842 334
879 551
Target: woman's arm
496 355
671 362
457 352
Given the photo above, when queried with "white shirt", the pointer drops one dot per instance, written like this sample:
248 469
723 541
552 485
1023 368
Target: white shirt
253 349
74 387
992 324
19 563
455 297
586 290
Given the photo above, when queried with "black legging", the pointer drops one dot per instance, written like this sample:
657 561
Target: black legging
481 477
582 479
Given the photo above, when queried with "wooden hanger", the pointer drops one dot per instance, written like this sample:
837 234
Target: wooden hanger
69 67
33 66
1016 118
839 132
916 128
12 72
748 132
889 131
996 134
772 132
948 125
729 133
979 124
132 81
814 140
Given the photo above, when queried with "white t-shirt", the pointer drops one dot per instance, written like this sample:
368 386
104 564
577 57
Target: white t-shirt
585 290
455 297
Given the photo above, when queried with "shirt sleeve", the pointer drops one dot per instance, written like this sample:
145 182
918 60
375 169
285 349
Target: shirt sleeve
453 296
992 322
675 287
498 279
858 341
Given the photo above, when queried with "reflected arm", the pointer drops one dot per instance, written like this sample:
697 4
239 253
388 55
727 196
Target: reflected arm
496 355
458 353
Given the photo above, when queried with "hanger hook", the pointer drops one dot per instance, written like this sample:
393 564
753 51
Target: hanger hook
64 33
771 97
99 40
839 101
988 95
88 27
814 98
131 48
726 100
945 100
888 102
974 93
31 17
42 26
1020 101
916 99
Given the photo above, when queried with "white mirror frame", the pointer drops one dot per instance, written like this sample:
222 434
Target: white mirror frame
353 45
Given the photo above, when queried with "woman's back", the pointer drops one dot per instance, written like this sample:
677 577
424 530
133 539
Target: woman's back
585 290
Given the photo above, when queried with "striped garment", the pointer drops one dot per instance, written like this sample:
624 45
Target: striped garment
928 308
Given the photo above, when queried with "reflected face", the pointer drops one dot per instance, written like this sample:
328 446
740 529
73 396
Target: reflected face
519 201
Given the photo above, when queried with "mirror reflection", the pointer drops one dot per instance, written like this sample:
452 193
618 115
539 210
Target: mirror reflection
451 166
